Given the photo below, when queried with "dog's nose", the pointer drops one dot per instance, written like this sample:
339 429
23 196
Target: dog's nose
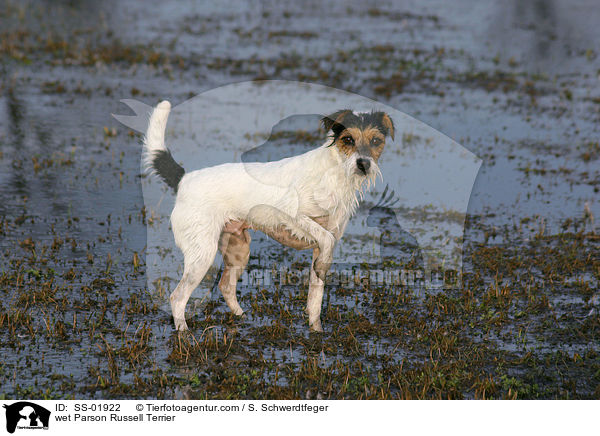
363 164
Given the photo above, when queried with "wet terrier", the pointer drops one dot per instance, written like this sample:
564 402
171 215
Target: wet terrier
303 202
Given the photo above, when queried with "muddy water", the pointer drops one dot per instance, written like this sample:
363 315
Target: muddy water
516 84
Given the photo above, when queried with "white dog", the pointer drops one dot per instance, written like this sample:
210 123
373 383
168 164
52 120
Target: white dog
302 201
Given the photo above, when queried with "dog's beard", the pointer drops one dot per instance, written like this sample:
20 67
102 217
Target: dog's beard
359 181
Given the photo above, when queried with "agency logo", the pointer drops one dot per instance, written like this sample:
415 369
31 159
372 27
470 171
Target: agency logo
407 231
26 415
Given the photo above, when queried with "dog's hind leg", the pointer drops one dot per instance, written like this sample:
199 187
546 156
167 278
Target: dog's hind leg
315 297
235 248
196 264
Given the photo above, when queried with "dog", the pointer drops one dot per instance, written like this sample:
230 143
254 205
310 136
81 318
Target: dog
303 202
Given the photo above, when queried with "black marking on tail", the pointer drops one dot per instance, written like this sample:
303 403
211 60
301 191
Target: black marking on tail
166 167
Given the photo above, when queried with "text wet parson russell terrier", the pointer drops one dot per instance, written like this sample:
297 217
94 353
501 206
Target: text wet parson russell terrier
303 202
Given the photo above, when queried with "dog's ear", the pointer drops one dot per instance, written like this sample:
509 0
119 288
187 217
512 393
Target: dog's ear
386 124
335 121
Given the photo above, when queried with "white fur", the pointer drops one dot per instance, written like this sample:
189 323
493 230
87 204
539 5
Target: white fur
155 135
285 193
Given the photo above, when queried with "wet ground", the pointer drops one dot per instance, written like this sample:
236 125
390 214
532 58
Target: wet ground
516 83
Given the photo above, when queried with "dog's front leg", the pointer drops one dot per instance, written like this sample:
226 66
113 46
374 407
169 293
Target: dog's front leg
315 297
326 243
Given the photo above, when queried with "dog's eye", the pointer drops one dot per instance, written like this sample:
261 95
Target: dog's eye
375 142
348 140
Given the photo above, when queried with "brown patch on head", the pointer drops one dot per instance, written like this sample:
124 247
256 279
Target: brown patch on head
376 142
387 122
369 141
346 141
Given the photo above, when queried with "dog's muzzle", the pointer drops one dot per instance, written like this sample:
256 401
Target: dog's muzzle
363 165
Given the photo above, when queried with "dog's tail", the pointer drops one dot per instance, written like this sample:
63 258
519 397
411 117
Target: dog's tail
157 156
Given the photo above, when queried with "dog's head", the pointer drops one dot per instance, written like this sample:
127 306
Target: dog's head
359 138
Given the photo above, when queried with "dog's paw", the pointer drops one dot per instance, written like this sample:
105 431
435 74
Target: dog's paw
316 326
180 325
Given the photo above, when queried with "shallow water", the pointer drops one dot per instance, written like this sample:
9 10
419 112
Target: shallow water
514 83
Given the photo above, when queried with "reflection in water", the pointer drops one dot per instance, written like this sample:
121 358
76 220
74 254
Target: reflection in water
31 141
539 34
15 114
540 15
18 181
